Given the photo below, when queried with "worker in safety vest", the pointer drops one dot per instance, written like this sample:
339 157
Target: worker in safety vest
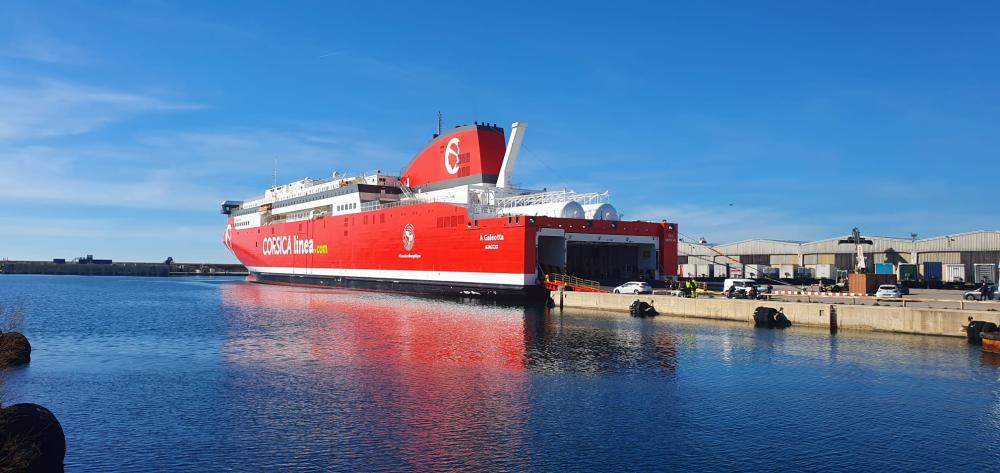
694 288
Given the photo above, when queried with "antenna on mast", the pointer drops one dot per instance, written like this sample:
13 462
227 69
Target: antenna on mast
439 126
274 174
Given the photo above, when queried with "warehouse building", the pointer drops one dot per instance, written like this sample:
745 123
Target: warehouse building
961 258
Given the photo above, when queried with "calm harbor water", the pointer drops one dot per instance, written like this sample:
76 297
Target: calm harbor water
184 374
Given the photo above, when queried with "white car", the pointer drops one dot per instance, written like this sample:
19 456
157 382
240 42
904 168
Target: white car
634 287
741 286
888 291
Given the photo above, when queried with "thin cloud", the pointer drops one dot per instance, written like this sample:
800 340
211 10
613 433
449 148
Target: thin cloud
42 48
51 108
178 171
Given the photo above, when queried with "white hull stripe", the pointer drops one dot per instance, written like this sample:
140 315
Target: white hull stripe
502 279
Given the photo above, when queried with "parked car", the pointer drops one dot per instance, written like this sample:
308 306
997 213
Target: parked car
739 287
888 291
634 287
976 294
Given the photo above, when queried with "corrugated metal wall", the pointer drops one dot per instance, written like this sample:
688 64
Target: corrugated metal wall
755 259
776 260
952 257
844 261
966 248
759 247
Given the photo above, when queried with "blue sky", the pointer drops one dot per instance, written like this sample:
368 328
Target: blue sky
123 125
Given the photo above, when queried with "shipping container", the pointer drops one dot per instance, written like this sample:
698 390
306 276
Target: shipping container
803 273
787 271
908 272
933 271
864 283
59 260
826 271
954 273
884 268
985 272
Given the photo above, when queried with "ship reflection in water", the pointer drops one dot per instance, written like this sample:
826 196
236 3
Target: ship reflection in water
425 382
274 324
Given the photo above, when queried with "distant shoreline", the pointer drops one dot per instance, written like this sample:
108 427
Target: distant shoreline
108 268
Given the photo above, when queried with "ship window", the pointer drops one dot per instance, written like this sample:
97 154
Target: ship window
454 220
517 219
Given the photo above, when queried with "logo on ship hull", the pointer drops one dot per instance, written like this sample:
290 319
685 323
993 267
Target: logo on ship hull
451 159
409 237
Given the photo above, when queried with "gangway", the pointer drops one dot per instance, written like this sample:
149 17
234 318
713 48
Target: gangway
565 282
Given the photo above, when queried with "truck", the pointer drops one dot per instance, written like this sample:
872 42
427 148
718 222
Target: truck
884 268
984 272
933 272
826 272
954 273
908 272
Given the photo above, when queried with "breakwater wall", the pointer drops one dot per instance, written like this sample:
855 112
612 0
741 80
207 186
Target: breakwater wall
922 321
121 269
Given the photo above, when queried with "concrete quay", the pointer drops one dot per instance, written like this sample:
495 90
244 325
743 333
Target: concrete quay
913 320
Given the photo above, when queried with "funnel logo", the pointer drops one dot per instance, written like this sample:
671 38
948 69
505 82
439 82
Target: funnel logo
409 237
451 159
228 239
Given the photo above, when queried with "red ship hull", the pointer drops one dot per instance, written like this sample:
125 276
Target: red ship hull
429 248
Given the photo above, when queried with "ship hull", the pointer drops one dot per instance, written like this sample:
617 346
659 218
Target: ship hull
437 249
418 287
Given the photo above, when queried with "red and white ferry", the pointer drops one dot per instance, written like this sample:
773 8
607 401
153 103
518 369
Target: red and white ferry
451 224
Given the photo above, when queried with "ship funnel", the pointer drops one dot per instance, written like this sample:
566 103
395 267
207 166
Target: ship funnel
510 156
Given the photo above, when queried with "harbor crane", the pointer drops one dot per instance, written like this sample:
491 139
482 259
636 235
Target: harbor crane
858 241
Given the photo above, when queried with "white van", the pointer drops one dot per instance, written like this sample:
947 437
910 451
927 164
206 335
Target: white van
739 285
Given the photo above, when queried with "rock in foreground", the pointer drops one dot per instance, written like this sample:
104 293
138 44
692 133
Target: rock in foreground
14 349
31 439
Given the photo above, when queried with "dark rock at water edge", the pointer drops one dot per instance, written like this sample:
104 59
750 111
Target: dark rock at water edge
14 349
31 439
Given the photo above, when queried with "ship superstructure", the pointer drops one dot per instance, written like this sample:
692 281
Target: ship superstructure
450 223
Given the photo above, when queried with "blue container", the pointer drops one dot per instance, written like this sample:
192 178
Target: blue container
884 268
932 271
